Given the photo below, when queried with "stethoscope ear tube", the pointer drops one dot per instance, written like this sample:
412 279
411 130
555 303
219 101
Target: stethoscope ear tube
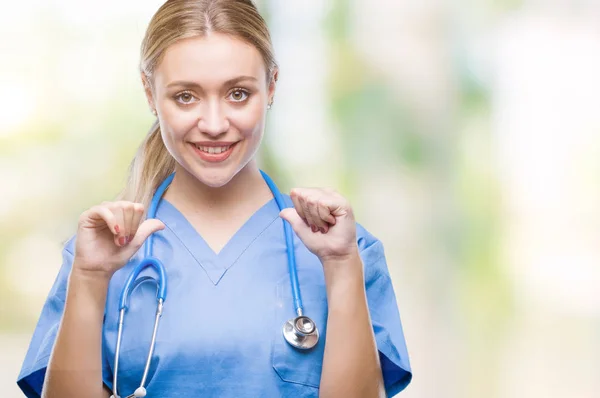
148 260
292 269
289 240
300 332
152 210
161 280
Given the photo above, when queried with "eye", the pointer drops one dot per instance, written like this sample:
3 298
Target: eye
184 97
239 95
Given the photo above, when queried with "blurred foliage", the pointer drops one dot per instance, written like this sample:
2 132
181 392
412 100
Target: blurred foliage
460 308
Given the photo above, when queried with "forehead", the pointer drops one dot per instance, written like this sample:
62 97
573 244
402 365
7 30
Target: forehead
209 60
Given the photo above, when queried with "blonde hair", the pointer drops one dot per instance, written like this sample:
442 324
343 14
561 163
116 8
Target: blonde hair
176 20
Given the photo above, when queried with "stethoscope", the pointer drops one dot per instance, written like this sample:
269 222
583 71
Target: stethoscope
300 332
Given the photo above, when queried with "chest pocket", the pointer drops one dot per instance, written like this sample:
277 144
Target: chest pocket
291 364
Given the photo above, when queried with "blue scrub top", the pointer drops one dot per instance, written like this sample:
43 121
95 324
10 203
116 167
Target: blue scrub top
221 330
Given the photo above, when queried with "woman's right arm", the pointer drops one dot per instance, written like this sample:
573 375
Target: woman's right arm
108 235
75 367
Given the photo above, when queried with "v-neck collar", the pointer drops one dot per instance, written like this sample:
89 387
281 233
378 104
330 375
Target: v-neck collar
216 264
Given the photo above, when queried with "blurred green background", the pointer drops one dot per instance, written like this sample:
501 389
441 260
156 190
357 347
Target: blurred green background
465 134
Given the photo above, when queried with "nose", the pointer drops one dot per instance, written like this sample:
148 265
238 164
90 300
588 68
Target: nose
213 119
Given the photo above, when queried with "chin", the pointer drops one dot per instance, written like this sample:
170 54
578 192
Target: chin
214 178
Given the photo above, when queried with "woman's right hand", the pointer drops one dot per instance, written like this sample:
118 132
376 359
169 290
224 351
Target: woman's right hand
108 235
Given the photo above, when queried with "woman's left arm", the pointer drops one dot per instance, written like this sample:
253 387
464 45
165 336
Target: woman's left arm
351 361
325 223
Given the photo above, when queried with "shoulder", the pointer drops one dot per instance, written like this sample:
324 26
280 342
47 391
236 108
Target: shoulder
365 239
372 255
69 245
58 290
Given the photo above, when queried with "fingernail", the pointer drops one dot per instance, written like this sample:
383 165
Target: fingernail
117 229
323 230
128 239
122 240
314 228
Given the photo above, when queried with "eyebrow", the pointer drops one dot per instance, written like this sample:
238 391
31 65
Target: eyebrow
227 83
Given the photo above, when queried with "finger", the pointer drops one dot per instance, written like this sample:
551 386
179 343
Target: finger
102 214
295 196
138 212
325 214
312 205
337 205
292 216
147 228
127 208
306 212
118 213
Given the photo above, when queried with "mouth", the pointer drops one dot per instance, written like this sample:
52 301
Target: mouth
215 152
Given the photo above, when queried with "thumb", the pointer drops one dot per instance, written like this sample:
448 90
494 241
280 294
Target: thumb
147 228
291 215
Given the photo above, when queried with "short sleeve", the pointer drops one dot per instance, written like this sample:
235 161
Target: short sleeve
385 317
33 371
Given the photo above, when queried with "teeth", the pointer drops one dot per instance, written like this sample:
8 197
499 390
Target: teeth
212 149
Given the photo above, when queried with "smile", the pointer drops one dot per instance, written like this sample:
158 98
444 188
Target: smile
213 149
214 153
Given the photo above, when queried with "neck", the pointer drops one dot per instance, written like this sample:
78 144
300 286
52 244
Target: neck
187 193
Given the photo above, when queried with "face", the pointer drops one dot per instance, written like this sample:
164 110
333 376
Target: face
211 94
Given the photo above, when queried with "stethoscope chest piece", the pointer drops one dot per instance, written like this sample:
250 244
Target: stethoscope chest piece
301 332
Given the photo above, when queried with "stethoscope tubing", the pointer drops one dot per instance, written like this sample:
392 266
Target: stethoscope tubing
302 339
289 240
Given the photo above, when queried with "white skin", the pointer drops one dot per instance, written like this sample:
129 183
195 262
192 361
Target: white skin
215 89
207 90
211 107
211 88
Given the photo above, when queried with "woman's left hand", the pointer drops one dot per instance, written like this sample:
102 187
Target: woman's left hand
324 221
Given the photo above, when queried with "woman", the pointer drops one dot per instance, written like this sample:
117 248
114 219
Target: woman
209 75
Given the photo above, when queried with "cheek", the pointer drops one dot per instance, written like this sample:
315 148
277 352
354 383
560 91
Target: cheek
177 124
248 120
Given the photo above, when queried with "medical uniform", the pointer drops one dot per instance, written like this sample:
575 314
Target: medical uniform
221 330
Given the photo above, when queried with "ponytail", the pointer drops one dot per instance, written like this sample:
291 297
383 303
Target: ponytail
151 165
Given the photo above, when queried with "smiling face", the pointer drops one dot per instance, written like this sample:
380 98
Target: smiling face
211 94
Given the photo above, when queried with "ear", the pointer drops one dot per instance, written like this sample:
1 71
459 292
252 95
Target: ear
148 92
273 83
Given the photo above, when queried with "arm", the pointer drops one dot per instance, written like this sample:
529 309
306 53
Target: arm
75 367
351 362
324 221
64 358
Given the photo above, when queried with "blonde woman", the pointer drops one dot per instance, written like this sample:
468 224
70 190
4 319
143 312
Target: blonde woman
217 227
